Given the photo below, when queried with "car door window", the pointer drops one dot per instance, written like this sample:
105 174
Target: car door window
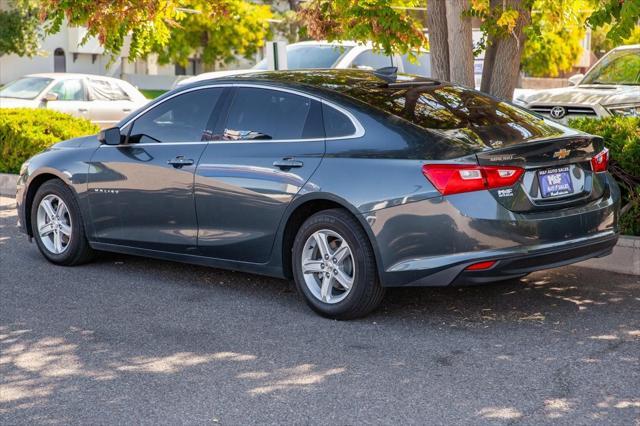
271 115
106 90
371 60
422 66
69 90
183 118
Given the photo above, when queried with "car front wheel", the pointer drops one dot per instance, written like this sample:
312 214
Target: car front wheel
334 266
57 225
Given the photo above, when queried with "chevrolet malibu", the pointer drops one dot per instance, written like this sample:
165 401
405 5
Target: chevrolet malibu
346 181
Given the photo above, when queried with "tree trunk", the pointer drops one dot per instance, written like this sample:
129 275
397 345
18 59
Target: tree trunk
460 43
489 55
438 44
508 53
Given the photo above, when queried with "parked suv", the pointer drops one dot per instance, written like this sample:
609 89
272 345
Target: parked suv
610 87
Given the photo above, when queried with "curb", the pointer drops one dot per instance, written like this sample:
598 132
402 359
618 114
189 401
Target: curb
625 258
8 184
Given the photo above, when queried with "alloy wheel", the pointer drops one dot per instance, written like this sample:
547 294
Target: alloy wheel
54 224
328 266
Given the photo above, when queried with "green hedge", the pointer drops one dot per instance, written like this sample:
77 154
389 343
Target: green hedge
622 137
24 132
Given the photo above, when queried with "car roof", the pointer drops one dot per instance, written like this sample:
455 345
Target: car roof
628 47
336 83
68 75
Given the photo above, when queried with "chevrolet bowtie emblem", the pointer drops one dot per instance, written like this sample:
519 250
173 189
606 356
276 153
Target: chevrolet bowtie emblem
560 154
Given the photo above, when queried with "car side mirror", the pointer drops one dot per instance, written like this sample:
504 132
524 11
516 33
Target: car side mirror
49 97
575 79
110 136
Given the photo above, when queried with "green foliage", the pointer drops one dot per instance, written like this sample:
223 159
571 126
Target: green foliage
554 37
622 137
25 132
152 94
385 23
622 15
600 44
19 29
217 32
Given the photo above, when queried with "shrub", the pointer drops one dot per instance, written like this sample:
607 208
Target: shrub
24 132
622 137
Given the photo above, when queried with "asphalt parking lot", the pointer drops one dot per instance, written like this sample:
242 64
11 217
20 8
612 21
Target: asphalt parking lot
138 341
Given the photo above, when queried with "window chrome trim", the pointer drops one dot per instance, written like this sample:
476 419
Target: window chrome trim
356 124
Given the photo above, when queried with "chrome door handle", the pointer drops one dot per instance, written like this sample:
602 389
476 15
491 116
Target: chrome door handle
180 162
82 110
126 109
287 163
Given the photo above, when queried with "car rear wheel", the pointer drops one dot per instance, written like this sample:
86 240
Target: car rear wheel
57 225
334 266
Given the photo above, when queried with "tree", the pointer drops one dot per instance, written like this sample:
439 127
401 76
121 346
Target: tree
214 34
19 29
621 15
554 38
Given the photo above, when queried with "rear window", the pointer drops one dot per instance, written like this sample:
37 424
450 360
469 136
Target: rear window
421 66
467 115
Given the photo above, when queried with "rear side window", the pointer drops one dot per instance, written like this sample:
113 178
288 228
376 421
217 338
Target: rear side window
264 114
184 118
336 124
106 90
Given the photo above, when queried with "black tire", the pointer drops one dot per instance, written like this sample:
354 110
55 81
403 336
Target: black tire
366 292
78 250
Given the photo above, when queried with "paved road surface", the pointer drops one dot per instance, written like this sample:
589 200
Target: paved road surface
130 340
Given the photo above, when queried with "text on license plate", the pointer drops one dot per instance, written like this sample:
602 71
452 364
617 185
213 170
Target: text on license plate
555 182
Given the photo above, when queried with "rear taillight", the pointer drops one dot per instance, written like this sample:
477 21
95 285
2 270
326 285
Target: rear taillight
456 178
600 162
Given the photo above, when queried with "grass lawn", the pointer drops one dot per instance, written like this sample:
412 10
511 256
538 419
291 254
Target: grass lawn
152 94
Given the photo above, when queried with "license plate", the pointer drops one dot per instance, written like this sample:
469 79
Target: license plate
555 182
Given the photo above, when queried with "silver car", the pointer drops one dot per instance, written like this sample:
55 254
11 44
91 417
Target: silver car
103 100
610 87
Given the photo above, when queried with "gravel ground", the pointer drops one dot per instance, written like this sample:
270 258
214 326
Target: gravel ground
137 341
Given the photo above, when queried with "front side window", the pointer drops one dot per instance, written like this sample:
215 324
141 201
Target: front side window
69 90
183 118
106 90
622 67
370 60
270 114
25 88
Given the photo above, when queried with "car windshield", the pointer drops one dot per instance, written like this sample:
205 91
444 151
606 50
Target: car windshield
25 88
621 67
310 56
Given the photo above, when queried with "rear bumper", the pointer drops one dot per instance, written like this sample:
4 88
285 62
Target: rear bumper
432 242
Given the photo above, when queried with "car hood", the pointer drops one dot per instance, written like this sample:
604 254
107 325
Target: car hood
81 142
586 95
210 75
18 103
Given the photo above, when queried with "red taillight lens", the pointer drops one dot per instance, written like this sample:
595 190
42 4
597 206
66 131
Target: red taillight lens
456 178
600 162
480 266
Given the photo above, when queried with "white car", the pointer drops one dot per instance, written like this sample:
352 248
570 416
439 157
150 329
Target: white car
103 100
610 87
340 55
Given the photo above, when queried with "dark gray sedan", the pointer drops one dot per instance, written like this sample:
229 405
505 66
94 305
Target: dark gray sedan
346 181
